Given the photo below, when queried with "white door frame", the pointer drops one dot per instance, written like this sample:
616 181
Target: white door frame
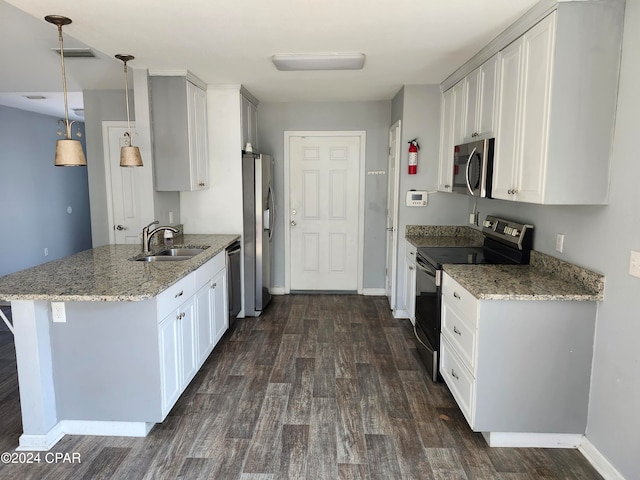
393 273
106 124
287 207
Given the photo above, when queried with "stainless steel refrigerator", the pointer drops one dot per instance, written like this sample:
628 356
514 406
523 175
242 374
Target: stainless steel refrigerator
259 219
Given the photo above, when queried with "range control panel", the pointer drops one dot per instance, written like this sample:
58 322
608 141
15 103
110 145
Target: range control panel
508 231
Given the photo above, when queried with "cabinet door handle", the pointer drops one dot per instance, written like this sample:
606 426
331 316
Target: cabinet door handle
455 295
410 268
447 186
201 184
179 294
180 316
214 285
454 374
456 331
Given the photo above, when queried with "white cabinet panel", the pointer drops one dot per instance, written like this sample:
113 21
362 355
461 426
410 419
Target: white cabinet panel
410 282
445 171
170 381
219 305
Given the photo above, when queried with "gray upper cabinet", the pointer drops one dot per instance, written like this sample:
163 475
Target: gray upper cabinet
179 126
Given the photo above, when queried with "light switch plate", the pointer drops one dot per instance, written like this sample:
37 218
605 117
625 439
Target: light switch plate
634 264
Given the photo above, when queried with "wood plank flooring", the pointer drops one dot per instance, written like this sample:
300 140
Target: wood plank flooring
318 387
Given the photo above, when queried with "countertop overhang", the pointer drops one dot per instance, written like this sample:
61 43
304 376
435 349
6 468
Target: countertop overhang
106 274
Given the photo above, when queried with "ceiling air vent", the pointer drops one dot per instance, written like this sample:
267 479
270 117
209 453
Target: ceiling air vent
76 52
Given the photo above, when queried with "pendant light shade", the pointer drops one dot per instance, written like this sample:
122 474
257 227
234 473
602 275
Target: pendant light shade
69 152
129 155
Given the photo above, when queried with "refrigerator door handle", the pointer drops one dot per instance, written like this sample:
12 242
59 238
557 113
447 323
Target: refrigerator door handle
270 214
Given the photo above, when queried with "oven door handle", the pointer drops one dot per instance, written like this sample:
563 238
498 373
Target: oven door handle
429 270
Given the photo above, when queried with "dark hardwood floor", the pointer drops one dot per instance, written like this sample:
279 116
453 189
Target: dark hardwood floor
318 387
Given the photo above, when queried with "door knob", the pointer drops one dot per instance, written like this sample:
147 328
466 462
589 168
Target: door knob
293 223
121 227
294 211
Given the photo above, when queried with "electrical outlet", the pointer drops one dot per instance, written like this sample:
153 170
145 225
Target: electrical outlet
634 264
170 218
57 312
559 242
473 218
46 251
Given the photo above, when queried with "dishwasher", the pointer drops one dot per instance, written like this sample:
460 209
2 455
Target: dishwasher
234 281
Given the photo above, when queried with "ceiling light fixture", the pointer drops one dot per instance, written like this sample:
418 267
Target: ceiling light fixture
68 151
325 61
129 155
35 97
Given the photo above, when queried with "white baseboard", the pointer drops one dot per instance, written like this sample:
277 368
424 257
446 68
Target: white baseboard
400 313
41 443
374 292
108 429
278 291
599 461
532 440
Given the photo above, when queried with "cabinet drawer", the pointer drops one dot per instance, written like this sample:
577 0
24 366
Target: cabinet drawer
460 334
207 271
460 299
458 379
175 295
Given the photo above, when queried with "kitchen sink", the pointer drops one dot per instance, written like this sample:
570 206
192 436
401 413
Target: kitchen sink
177 254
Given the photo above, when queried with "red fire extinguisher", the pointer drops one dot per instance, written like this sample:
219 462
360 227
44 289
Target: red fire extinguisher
413 156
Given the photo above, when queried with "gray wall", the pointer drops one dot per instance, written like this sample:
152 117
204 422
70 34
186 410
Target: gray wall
601 238
34 195
99 106
418 107
276 118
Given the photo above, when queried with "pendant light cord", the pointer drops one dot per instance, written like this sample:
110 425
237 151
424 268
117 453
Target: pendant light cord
64 86
126 96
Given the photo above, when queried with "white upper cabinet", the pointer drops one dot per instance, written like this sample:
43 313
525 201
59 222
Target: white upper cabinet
480 101
249 117
452 125
546 89
179 126
445 172
557 100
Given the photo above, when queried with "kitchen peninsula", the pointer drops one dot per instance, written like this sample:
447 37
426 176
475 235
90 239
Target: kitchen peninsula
126 338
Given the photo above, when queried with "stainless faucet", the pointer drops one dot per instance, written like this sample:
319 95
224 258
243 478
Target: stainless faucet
148 235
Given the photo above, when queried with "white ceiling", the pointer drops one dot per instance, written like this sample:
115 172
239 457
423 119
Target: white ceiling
231 42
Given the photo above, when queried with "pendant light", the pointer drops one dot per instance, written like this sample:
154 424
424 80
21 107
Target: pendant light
129 155
68 151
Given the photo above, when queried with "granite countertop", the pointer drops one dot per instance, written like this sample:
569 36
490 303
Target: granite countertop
443 236
107 274
545 278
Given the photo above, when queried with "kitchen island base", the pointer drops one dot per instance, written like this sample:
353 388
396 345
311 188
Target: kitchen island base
115 368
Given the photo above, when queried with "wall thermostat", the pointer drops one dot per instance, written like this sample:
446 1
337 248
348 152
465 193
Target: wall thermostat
417 198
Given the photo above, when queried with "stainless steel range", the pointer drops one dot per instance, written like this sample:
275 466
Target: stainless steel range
505 242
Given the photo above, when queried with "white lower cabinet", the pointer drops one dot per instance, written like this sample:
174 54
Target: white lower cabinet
189 333
517 366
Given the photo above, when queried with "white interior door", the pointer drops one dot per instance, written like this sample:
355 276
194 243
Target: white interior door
123 188
393 179
323 217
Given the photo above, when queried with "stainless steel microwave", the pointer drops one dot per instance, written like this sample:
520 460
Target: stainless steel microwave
473 168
